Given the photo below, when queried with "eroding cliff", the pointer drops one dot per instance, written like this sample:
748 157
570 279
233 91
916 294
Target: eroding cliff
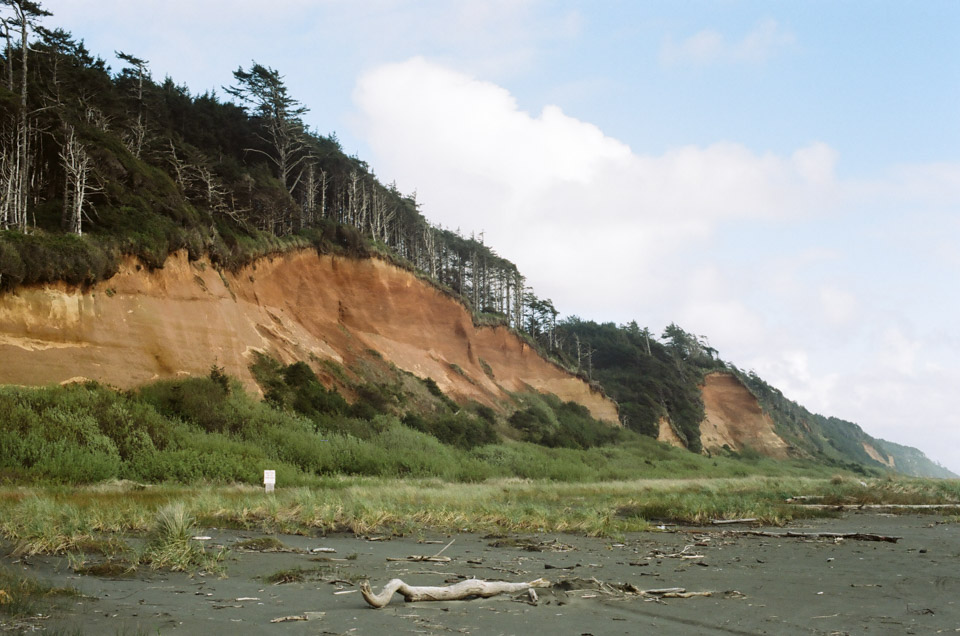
734 419
144 325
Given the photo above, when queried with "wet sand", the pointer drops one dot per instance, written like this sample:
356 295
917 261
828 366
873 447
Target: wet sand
759 585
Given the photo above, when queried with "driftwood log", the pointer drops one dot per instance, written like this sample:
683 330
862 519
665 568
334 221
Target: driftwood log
856 536
464 589
856 506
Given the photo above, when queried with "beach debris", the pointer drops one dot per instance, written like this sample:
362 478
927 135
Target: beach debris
553 545
682 554
856 536
419 558
306 616
471 588
324 550
621 589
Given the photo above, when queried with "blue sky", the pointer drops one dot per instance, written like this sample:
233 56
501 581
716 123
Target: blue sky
783 177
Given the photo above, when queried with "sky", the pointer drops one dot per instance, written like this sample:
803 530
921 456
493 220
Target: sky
780 177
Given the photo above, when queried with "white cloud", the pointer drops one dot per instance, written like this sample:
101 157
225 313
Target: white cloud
839 306
711 47
554 192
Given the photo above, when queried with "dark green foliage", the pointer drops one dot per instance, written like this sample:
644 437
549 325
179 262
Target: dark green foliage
648 379
435 391
297 388
38 258
551 422
463 429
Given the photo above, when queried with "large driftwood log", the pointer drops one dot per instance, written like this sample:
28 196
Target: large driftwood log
459 591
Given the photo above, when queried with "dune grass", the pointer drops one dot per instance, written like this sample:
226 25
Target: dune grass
54 520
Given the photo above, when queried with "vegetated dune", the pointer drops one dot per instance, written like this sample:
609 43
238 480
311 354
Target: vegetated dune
143 325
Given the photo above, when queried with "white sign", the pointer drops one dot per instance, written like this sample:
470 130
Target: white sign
269 479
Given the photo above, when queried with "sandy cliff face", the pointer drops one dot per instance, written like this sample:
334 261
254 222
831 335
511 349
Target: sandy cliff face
668 435
734 417
871 450
139 326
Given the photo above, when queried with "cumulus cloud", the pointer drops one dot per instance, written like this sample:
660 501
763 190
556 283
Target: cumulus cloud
712 47
480 162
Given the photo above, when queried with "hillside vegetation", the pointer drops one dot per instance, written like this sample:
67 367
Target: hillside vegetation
99 164
209 429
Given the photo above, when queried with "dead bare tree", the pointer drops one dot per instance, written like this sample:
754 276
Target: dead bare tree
77 167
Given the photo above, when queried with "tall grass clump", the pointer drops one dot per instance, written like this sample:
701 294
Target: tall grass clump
170 543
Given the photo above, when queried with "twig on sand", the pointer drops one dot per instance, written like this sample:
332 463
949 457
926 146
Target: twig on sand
417 558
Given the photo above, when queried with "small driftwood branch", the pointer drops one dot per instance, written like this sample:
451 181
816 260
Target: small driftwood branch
720 522
857 536
459 591
436 558
665 592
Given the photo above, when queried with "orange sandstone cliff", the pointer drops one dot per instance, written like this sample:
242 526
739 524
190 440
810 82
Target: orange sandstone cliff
140 326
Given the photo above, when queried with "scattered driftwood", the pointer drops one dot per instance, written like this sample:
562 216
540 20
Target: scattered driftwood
459 591
720 522
857 536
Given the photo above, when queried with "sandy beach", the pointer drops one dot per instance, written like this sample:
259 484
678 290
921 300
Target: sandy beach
757 584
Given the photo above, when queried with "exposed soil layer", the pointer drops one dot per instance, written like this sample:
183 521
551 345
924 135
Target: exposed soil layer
734 419
140 326
668 435
875 454
759 585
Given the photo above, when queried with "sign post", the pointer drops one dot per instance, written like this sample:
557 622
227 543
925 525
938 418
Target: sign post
269 480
